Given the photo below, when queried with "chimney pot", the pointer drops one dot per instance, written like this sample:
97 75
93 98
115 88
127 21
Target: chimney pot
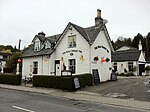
98 13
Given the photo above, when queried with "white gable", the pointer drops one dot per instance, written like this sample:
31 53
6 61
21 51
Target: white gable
81 50
47 44
101 49
142 58
37 44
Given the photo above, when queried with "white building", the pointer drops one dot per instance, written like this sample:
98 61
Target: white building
81 50
127 58
3 57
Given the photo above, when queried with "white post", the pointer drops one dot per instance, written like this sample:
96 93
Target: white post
2 71
17 73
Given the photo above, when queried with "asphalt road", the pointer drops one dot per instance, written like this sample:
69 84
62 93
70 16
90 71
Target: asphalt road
19 101
125 88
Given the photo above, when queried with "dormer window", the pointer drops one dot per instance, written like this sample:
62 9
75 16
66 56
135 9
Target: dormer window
37 46
47 45
72 41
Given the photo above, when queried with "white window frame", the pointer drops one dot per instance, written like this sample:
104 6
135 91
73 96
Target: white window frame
72 41
35 67
72 65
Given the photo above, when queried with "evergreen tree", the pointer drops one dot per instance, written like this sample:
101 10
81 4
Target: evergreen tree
136 39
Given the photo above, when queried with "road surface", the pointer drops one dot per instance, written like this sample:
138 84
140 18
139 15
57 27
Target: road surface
20 101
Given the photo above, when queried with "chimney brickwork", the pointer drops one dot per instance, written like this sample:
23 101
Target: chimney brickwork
98 19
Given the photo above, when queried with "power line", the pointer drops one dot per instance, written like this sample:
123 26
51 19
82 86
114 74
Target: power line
24 41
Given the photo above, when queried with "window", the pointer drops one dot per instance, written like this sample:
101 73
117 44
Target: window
130 66
35 67
115 66
47 45
36 46
72 65
72 41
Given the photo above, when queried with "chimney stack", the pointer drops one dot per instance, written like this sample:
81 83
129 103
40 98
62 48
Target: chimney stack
98 19
41 34
98 13
140 45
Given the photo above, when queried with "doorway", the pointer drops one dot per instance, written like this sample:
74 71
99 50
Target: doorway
141 69
57 68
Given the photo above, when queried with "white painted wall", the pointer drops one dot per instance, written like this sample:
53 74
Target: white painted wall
124 65
46 65
103 68
142 58
1 56
82 45
27 65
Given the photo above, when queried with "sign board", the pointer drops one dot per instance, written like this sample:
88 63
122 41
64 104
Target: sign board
96 76
76 83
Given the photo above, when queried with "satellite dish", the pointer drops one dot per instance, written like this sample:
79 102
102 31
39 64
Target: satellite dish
105 21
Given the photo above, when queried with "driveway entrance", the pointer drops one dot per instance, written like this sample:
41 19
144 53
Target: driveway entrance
134 88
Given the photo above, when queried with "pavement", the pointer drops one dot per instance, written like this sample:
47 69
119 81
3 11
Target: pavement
83 95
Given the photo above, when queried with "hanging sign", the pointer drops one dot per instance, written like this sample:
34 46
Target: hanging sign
103 60
96 58
82 58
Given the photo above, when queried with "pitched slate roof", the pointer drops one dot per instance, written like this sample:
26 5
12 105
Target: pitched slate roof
89 33
127 46
29 52
53 38
126 55
41 38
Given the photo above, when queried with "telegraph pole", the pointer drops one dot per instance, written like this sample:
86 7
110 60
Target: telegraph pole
19 44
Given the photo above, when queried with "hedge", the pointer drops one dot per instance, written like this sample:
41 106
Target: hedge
59 82
85 79
10 79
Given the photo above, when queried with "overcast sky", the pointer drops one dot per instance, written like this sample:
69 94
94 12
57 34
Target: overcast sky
23 19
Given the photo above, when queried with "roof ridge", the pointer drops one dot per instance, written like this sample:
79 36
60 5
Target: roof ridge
53 35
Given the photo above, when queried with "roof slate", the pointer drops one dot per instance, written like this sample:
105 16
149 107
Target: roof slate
41 38
89 33
29 52
53 38
128 55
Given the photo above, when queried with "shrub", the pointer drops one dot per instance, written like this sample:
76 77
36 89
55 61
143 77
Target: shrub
10 79
64 83
126 74
58 82
7 70
41 81
121 74
85 79
147 68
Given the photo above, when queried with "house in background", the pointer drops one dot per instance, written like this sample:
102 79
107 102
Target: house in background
129 59
3 57
77 49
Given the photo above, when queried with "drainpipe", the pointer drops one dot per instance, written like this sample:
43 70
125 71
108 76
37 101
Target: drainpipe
42 66
90 59
137 68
